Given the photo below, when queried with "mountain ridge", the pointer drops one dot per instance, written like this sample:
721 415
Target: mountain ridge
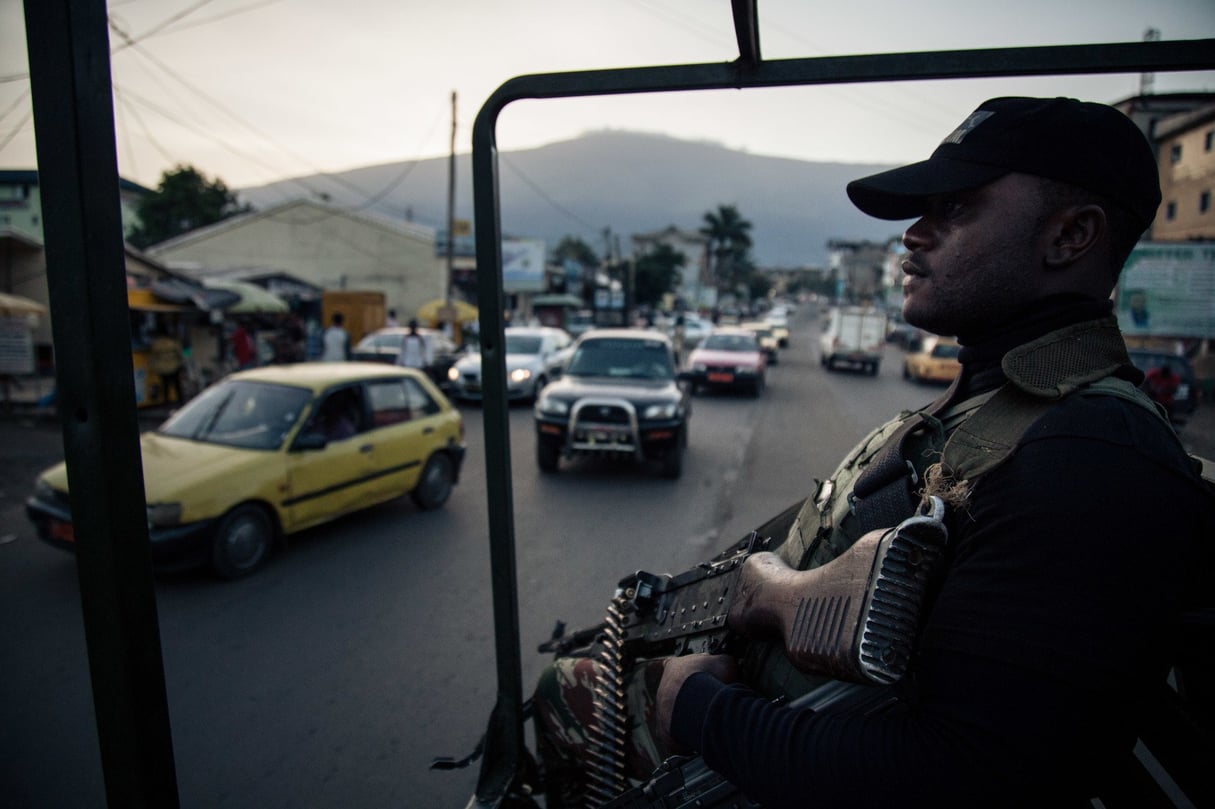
629 182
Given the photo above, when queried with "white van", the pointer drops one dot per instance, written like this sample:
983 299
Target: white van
854 335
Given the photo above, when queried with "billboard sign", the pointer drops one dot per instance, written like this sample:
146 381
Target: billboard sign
522 265
1167 289
16 346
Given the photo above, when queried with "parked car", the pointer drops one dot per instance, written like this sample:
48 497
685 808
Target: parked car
271 451
768 340
384 345
534 355
936 361
1185 397
730 357
617 398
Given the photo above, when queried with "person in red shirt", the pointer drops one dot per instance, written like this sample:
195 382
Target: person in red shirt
1161 384
242 347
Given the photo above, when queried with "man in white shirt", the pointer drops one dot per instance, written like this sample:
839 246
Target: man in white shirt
415 351
335 341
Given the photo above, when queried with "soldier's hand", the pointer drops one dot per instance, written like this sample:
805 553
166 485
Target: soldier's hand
676 671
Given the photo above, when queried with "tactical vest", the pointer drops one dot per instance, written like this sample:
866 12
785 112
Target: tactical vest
942 449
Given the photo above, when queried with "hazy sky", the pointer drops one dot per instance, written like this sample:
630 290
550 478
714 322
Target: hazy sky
251 91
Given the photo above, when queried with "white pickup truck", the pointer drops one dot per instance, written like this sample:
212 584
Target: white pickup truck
853 335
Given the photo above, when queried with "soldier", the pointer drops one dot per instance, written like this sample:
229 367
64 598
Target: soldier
1053 618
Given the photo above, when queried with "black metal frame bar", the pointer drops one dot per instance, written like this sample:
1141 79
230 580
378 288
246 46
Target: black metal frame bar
69 54
505 751
73 114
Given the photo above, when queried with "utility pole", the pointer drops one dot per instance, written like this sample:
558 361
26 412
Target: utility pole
451 212
1147 80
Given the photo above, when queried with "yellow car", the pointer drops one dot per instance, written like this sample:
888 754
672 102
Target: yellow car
778 321
271 451
768 339
936 361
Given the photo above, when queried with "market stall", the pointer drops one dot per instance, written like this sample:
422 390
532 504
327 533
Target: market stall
18 316
438 313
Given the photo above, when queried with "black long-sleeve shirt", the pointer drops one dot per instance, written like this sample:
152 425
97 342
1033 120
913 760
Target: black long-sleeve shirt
1067 570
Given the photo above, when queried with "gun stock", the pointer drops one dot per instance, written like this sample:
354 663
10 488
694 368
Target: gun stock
854 618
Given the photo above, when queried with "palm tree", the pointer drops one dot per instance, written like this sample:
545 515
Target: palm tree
729 241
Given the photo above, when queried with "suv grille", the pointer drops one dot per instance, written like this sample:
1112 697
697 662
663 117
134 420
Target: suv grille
603 414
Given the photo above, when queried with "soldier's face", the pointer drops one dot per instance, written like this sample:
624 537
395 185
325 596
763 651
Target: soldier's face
974 258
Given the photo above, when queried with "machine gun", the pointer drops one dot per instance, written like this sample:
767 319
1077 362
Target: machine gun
855 619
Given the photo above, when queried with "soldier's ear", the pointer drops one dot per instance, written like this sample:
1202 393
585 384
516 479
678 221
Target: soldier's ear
1072 233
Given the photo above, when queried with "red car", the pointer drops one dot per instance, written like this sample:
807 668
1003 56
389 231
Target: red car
729 357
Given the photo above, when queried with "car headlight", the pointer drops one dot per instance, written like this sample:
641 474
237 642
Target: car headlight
664 410
698 367
520 375
551 406
453 374
163 515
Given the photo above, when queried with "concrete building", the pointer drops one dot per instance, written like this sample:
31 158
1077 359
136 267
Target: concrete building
860 270
21 203
1185 151
22 257
321 245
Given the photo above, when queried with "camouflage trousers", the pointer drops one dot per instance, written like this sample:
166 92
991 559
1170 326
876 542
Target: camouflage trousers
564 714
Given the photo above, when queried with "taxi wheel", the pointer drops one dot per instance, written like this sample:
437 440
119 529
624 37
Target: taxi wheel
242 542
436 482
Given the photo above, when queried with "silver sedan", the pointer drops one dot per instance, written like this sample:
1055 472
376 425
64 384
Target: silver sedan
534 357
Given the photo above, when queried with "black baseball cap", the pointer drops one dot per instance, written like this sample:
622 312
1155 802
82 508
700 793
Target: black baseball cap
1091 146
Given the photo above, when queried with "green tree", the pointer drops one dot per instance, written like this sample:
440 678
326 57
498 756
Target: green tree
729 246
656 274
184 200
758 285
572 247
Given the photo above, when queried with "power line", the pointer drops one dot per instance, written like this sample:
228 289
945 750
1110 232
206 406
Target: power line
213 138
858 96
403 173
221 16
161 26
127 105
238 120
540 192
693 25
120 125
13 132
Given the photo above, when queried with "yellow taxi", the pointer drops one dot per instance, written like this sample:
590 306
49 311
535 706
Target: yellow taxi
268 452
778 321
769 341
935 361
